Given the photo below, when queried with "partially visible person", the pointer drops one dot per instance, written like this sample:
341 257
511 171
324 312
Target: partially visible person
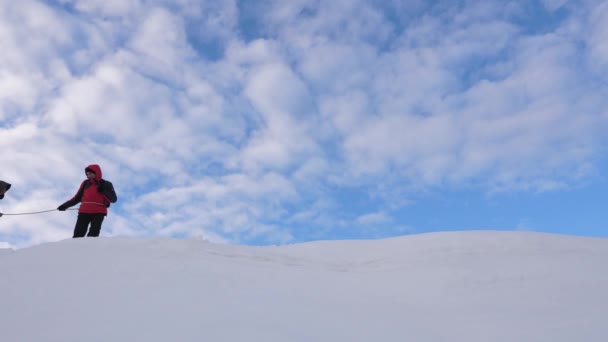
4 186
94 195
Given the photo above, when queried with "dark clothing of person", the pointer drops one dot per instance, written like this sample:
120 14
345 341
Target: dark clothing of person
82 225
4 186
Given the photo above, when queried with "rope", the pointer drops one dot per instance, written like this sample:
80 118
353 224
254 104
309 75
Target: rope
35 212
46 211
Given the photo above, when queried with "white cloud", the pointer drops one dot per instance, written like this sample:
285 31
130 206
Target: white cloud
257 52
274 89
284 105
553 5
30 63
373 218
113 8
434 123
160 45
598 46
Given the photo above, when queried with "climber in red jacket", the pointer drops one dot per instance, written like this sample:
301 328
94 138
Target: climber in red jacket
94 195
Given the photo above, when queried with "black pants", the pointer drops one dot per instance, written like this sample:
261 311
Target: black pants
82 224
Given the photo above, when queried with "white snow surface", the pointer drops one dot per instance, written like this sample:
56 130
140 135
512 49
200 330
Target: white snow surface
458 286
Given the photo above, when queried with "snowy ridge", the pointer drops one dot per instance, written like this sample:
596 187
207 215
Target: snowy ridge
464 286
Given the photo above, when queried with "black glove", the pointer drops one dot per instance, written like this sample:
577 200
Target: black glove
62 207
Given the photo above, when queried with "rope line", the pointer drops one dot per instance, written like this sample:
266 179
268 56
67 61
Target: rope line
35 212
46 211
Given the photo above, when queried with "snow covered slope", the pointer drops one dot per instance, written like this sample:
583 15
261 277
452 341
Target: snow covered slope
464 286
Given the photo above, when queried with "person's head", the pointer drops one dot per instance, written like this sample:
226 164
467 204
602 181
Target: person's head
93 171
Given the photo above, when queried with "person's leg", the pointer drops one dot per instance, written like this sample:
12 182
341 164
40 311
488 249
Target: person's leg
96 221
82 223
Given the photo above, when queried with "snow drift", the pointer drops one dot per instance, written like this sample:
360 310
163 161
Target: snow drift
465 286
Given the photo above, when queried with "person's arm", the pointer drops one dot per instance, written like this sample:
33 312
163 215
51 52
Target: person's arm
74 200
107 190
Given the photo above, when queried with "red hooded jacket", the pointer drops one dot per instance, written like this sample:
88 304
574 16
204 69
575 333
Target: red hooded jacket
95 195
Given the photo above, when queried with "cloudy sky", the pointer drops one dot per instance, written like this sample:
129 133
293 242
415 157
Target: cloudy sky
270 122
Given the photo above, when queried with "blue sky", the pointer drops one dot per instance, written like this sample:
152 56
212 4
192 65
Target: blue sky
278 122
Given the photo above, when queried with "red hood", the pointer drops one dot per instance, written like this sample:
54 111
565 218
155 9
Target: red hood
95 168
